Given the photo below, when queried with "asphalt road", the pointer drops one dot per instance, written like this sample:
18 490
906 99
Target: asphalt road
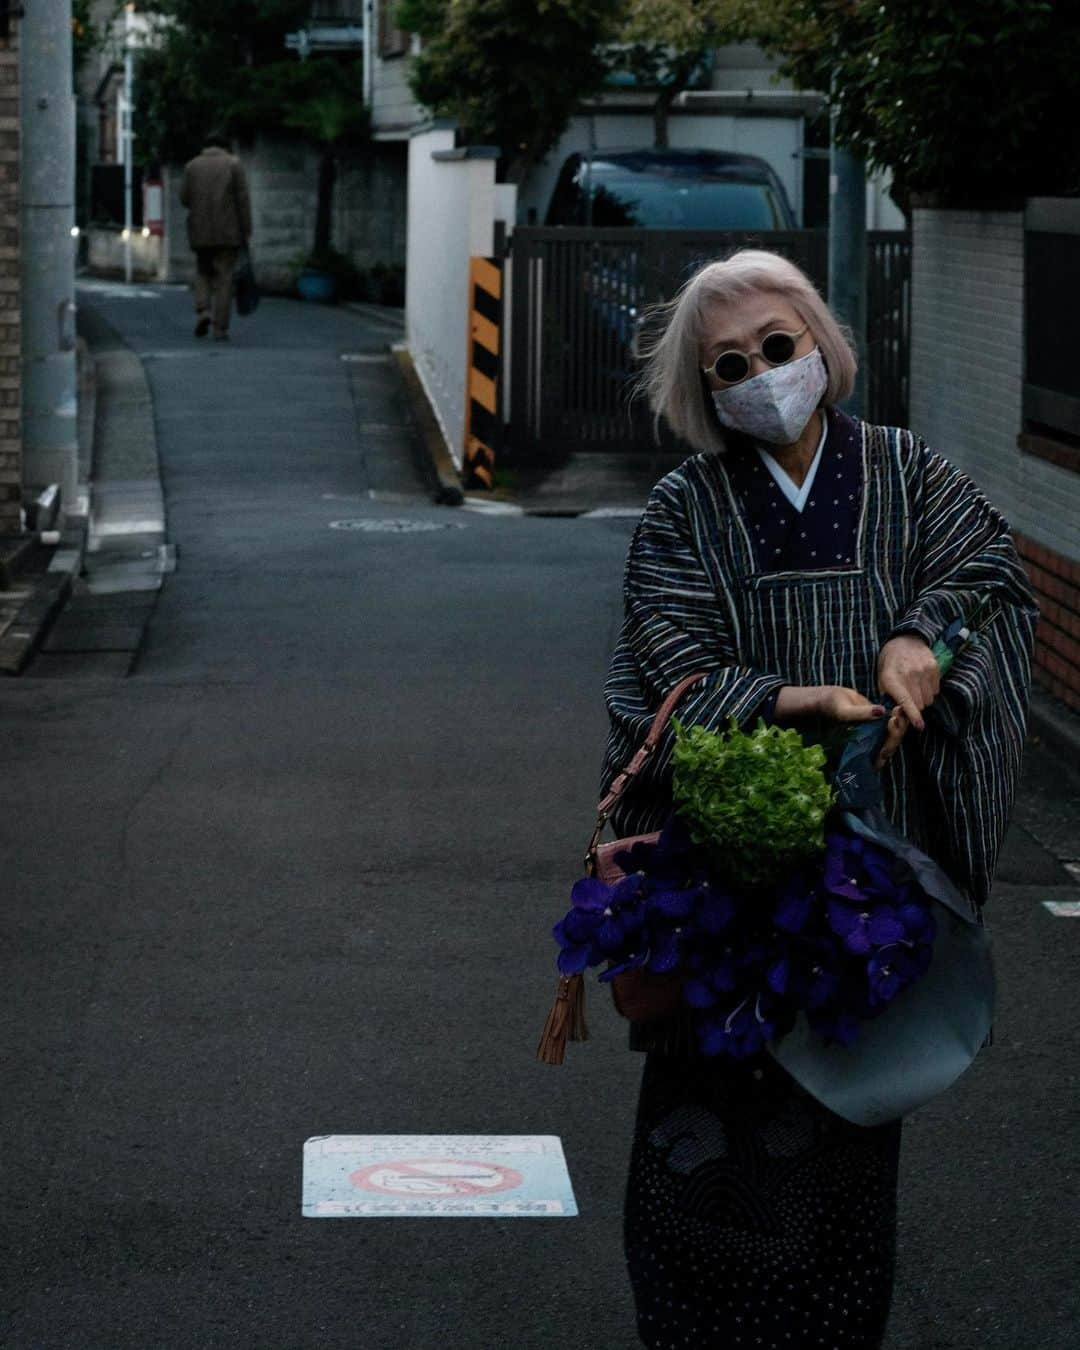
294 876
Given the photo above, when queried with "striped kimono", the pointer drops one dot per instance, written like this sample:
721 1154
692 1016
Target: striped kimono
749 1206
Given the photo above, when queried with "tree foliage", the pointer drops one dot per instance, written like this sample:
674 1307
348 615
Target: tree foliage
663 44
510 72
223 64
90 29
966 100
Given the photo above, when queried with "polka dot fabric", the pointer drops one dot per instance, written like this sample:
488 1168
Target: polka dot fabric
755 1217
822 536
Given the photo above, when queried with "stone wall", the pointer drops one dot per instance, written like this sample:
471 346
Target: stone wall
369 209
967 370
10 320
369 205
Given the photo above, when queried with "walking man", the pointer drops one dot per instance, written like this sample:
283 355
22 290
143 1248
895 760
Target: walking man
215 192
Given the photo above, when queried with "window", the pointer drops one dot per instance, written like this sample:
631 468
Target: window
1051 303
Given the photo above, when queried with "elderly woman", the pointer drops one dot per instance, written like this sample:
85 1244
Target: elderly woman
807 561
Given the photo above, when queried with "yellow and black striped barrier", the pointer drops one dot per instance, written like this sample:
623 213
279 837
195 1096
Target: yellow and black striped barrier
482 424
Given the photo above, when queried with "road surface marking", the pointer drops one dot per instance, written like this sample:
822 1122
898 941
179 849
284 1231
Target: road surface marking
436 1176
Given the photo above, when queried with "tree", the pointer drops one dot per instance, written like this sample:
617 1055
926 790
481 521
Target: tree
318 98
966 101
204 71
510 72
665 43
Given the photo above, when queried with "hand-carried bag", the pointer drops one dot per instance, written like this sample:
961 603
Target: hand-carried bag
245 287
639 995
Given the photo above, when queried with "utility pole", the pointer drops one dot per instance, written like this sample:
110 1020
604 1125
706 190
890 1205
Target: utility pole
847 253
50 440
127 133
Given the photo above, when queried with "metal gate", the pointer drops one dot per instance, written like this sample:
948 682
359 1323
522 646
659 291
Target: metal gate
578 297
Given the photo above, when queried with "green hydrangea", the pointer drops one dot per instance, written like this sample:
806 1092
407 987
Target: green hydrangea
758 799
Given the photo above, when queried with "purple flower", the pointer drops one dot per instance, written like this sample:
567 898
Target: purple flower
716 910
630 961
665 951
864 929
746 1029
857 870
806 974
843 865
796 906
603 921
672 904
667 861
919 923
890 970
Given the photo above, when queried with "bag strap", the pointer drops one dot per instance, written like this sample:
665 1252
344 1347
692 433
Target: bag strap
626 775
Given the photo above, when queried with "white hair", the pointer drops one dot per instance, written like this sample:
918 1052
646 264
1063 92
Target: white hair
672 378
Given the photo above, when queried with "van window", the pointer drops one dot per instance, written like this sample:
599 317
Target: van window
688 198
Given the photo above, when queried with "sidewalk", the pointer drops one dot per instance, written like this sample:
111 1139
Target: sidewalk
91 620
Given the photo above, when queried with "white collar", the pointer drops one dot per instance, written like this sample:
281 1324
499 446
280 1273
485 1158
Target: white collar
797 496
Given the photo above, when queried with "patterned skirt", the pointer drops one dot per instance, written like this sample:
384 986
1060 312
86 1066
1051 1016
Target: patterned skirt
754 1216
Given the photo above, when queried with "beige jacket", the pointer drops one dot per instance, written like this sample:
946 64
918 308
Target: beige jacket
215 193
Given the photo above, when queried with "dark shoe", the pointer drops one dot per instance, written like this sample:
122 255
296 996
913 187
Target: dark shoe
221 337
203 325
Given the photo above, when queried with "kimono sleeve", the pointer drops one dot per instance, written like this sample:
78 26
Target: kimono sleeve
674 625
970 753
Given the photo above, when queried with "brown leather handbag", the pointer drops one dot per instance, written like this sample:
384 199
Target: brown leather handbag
639 995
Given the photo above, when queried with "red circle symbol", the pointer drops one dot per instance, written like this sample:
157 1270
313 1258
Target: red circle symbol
436 1178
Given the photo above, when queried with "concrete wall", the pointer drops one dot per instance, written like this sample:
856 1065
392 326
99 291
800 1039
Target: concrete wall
394 112
105 253
10 291
452 206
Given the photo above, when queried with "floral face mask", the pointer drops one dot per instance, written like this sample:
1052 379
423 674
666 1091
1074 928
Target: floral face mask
776 405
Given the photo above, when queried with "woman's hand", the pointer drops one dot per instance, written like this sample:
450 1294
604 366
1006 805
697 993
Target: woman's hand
908 672
825 700
894 734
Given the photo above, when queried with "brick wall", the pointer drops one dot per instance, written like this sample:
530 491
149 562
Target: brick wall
10 325
1057 644
967 363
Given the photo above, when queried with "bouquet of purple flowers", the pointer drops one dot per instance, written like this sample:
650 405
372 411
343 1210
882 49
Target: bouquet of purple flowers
838 939
773 894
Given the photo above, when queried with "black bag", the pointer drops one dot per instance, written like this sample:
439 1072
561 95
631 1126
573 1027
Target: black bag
245 287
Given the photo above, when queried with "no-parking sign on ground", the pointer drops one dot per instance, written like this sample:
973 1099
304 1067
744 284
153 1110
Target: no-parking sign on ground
493 1176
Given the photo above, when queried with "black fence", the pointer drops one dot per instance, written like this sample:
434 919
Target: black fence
886 361
580 298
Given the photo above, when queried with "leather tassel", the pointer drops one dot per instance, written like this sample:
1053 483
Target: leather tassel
565 1021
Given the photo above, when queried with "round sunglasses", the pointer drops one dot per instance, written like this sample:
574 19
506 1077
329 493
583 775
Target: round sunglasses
777 348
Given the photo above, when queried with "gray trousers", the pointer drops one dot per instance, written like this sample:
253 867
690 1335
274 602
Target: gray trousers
214 284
